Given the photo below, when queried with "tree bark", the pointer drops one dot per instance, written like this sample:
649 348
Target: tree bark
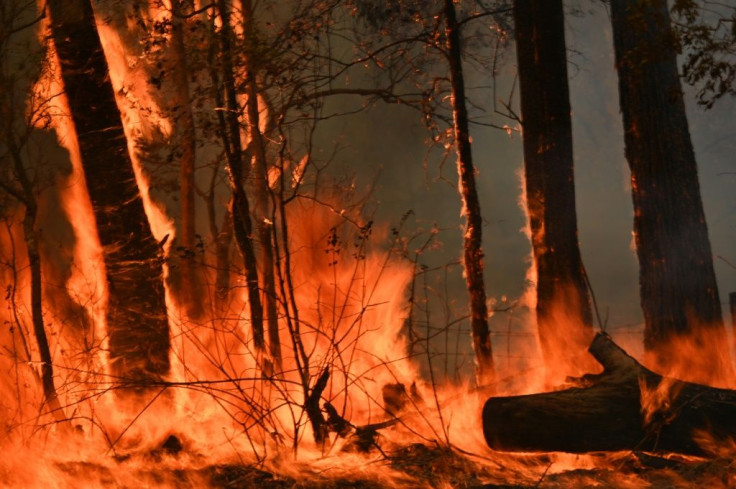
25 196
473 239
263 209
564 316
222 238
311 407
240 208
187 281
223 241
136 312
627 407
679 294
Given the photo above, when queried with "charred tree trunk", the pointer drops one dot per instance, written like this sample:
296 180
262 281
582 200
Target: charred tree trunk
16 128
39 329
25 196
562 295
240 208
627 407
136 312
679 294
472 247
263 212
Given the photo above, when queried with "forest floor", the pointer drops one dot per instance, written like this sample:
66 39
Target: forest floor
422 466
433 467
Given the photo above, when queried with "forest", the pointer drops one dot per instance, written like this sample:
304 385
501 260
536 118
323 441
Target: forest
364 243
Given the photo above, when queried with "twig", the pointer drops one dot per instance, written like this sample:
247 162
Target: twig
544 474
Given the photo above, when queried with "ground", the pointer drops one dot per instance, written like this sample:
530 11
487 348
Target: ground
421 466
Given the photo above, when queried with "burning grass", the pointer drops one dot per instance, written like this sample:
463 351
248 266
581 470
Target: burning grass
224 421
411 466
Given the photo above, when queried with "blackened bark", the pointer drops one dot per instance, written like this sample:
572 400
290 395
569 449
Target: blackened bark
136 313
39 330
626 407
562 296
240 208
311 407
472 246
25 196
679 295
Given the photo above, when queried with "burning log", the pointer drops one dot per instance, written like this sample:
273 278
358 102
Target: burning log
626 407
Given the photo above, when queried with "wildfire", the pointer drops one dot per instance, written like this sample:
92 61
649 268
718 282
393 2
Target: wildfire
351 398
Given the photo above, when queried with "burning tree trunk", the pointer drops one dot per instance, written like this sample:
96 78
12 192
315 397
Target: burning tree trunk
26 197
679 294
20 118
136 314
472 249
262 208
627 407
562 297
242 226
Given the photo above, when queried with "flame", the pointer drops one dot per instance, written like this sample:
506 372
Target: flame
702 357
222 405
656 401
143 122
566 347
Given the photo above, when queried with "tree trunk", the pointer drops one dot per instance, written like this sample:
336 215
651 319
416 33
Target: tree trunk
264 214
564 315
679 294
187 278
732 308
25 196
223 240
136 312
39 330
627 407
472 247
240 208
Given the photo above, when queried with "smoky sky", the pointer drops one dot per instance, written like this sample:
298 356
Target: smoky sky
392 139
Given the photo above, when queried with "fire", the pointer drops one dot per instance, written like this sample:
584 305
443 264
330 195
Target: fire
564 348
657 401
697 357
349 400
143 121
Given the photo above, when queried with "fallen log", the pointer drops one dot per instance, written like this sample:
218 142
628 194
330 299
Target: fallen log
626 407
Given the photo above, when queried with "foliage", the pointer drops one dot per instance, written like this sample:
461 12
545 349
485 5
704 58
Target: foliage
707 33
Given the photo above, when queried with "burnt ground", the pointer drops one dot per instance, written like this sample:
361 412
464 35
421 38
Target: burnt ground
441 467
422 466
